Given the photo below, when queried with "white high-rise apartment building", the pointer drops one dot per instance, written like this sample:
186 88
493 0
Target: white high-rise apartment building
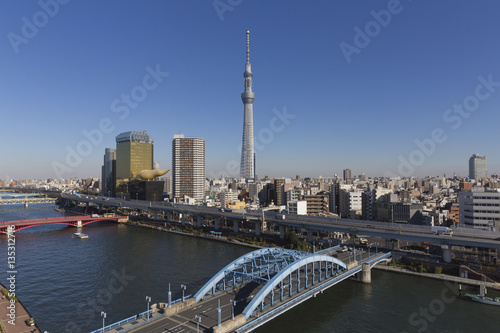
188 167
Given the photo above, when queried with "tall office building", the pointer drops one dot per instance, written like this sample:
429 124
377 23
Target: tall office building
477 167
134 153
347 174
247 168
109 173
188 167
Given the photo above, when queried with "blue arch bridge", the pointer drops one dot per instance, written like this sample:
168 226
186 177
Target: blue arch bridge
260 286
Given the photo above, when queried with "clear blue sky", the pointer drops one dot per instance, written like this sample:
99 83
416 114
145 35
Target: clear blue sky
364 114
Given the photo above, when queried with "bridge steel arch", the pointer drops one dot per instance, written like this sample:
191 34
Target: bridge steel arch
284 273
277 258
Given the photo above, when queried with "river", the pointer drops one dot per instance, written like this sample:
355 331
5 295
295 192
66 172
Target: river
65 283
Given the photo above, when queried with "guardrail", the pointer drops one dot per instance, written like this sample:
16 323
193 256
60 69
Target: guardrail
142 324
135 317
123 322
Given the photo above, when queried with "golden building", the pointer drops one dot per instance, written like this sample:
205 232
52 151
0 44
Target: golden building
134 153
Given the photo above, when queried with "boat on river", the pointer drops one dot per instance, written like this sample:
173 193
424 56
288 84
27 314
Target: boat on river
80 235
484 299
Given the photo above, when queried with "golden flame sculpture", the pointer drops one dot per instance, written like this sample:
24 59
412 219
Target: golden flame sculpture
151 174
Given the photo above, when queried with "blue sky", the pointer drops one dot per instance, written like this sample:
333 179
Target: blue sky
364 111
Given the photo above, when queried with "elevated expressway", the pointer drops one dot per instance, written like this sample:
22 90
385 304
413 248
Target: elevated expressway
309 224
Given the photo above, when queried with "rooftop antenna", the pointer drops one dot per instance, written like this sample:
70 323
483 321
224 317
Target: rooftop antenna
248 46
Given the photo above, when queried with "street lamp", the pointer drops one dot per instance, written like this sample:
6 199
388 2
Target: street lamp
198 321
233 304
183 287
148 299
103 314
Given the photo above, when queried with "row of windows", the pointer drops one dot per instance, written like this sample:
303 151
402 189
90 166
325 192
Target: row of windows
487 204
482 218
482 211
481 198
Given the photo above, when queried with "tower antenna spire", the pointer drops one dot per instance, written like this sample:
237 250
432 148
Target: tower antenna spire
248 46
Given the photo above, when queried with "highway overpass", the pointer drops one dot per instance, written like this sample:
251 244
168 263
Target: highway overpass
309 224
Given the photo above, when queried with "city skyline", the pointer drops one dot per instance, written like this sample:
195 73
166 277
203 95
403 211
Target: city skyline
365 86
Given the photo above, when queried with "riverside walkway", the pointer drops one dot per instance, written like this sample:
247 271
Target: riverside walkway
12 317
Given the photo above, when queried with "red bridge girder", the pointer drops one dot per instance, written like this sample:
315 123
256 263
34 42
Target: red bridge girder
70 221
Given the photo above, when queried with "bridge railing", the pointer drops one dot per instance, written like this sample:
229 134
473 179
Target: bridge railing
135 317
123 322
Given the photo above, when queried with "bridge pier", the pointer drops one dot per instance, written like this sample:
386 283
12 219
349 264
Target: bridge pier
258 226
155 215
282 232
310 236
216 223
78 224
100 208
26 204
169 216
198 221
446 253
366 274
183 218
236 226
86 206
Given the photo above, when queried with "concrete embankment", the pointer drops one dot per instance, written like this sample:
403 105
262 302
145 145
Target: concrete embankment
208 237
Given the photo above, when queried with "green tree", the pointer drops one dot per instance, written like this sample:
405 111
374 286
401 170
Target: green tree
292 241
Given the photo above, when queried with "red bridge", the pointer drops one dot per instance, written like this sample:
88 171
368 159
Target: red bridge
75 221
